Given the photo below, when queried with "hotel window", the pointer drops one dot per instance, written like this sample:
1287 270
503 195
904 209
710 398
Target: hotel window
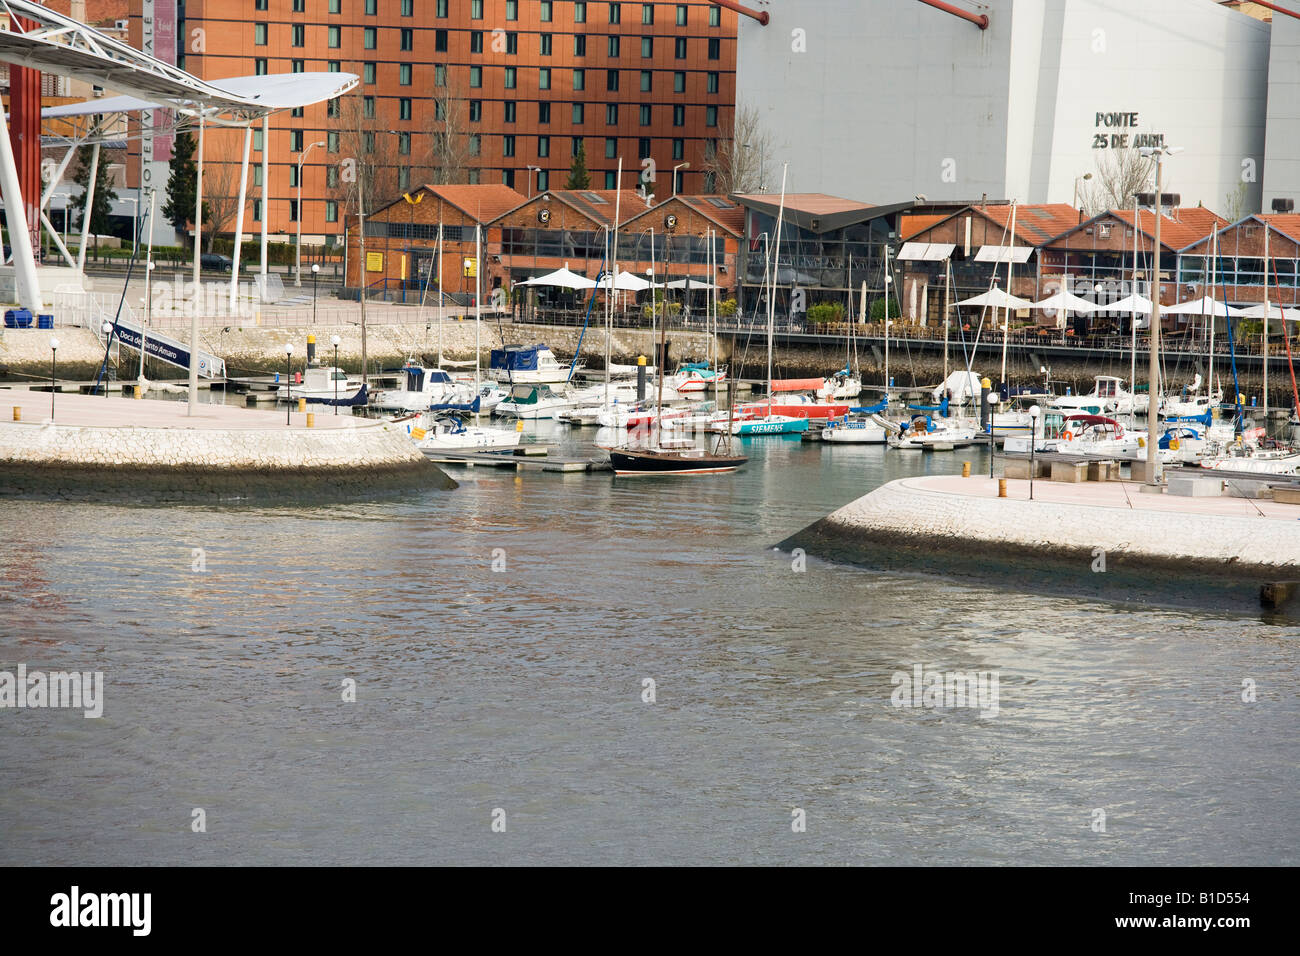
647 13
331 211
404 74
257 175
713 82
681 14
295 142
336 6
441 12
404 108
611 180
334 66
257 140
408 8
440 74
408 38
335 38
476 144
508 145
259 34
546 11
476 42
512 43
332 177
474 176
511 74
372 36
476 77
544 44
613 47
543 114
293 210
293 176
368 73
475 111
679 48
299 35
710 116
715 48
579 44
679 148
575 144
611 114
647 47
368 141
579 79
579 113
579 12
257 210
615 13
544 78
439 110
543 146
404 144
298 66
611 81
440 41
647 81
259 66
372 7
332 108
715 16
332 141
643 147
509 110
260 5
512 9
679 115
508 177
404 178
476 9
679 82
543 180
645 114
611 148
369 102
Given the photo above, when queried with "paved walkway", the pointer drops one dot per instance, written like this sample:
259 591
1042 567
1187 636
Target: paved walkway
101 412
1117 495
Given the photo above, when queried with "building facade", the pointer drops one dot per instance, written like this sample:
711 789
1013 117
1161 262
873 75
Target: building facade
471 91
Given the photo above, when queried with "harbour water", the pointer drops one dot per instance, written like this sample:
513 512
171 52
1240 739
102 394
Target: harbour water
501 636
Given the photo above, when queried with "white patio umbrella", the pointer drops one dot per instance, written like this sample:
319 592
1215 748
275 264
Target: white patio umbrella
562 279
695 284
1274 312
626 282
1130 304
1066 302
998 299
1202 306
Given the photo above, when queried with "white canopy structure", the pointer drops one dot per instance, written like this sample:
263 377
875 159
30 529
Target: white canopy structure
1274 312
561 279
694 284
1202 306
998 299
1066 302
626 282
1130 304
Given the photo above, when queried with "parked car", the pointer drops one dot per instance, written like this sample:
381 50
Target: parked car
210 260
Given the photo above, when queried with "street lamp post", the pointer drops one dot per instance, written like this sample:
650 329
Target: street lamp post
297 269
531 170
1034 412
1077 180
288 381
675 168
107 329
54 351
334 340
315 271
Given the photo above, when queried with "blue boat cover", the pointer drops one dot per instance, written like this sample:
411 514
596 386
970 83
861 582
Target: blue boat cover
515 358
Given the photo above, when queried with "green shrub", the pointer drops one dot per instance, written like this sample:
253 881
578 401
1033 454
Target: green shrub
727 307
826 312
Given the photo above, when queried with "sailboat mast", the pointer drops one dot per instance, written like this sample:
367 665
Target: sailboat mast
1265 325
663 341
1006 311
1153 398
478 304
947 304
1133 319
613 282
1214 261
771 299
440 288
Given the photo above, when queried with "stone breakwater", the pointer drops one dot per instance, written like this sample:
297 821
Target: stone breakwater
947 522
217 460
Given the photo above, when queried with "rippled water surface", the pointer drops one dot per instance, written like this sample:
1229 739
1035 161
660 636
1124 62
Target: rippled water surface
522 689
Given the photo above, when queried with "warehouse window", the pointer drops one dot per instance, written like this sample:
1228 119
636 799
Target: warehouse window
710 116
679 148
404 108
613 48
408 38
512 9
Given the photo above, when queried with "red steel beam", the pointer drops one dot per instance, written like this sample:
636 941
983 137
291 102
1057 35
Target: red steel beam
1276 9
979 19
760 15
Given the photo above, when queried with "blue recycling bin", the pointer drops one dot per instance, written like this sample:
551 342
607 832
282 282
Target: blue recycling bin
45 321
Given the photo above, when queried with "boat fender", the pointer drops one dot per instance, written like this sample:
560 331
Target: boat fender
1173 443
1142 442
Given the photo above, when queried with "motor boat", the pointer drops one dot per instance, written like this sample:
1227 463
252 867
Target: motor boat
1108 397
695 377
1084 434
1190 403
326 385
840 385
421 388
441 430
528 365
923 433
854 430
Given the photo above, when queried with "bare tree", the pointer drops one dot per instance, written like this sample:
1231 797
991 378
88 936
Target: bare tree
221 171
1235 206
449 142
1120 173
735 165
369 157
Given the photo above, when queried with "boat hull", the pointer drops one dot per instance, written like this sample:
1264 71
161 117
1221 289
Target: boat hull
632 463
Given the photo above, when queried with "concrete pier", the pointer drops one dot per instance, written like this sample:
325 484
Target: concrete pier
98 447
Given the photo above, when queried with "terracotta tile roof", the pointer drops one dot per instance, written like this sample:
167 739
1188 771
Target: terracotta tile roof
731 218
909 226
485 201
1178 230
1036 224
1287 223
599 204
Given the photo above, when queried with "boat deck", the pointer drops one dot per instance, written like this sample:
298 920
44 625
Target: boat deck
521 458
